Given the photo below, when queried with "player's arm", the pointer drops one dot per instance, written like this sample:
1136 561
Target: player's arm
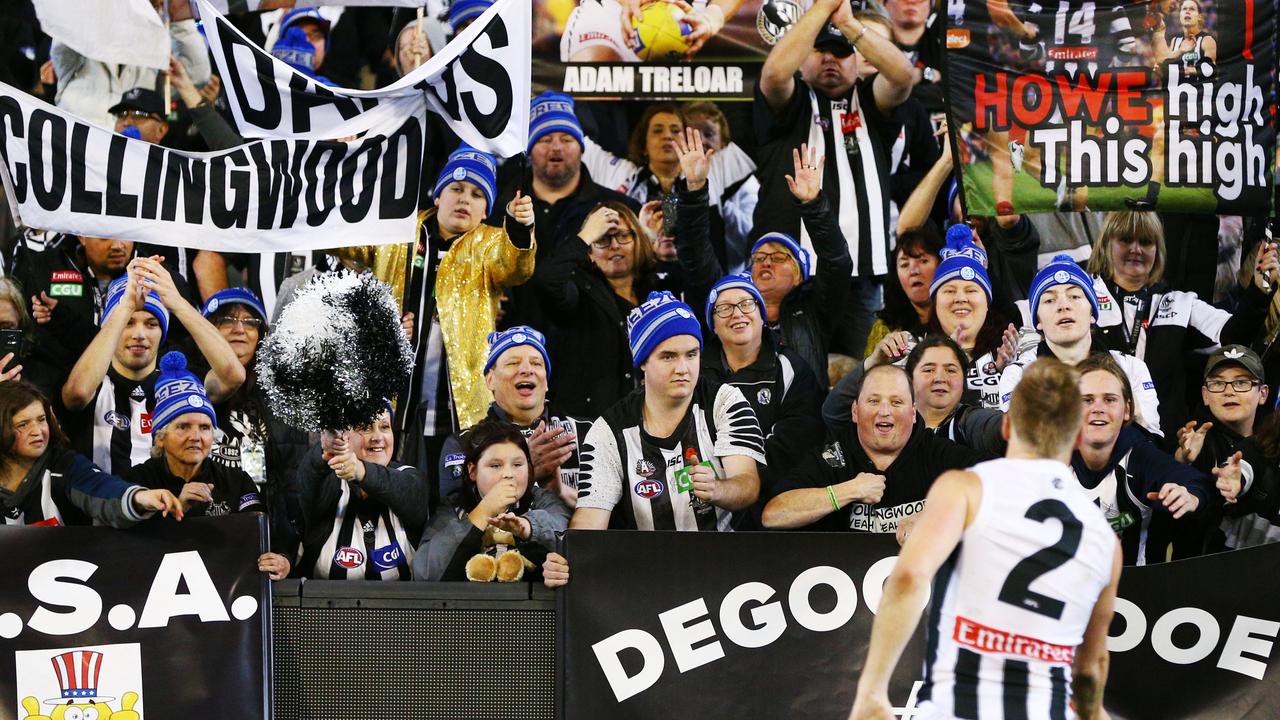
948 510
585 518
739 488
892 85
707 22
1003 16
777 76
1089 674
1210 47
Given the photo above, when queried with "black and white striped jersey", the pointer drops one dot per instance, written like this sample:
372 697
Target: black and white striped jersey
1011 604
633 474
367 541
114 431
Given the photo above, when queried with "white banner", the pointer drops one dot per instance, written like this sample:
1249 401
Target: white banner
229 7
64 174
479 84
120 32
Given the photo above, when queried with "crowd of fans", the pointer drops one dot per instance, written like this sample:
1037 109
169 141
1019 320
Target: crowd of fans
797 329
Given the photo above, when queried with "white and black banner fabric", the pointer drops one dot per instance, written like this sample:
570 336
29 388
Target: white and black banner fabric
479 85
66 174
166 620
777 625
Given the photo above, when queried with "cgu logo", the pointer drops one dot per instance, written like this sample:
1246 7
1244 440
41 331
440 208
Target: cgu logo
649 489
349 557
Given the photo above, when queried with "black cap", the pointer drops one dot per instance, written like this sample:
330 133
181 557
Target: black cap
139 98
831 37
1235 355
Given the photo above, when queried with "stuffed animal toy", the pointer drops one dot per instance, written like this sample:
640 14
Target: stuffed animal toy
498 560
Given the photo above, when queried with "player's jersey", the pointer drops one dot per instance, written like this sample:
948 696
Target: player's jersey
1079 34
1011 605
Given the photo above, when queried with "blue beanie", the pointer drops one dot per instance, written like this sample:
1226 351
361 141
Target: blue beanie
797 252
962 259
461 11
178 392
553 112
500 342
115 291
1062 270
739 281
660 317
236 296
473 166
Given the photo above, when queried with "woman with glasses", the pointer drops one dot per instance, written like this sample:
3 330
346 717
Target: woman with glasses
777 383
249 437
589 287
1142 316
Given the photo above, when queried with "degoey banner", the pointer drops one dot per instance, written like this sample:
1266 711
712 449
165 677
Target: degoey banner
777 625
1112 104
166 620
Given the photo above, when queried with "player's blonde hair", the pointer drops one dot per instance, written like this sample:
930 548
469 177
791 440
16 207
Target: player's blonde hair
1046 408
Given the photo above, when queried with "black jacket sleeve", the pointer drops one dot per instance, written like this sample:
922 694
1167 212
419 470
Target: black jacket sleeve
693 246
798 429
553 279
1157 468
831 280
1247 320
402 488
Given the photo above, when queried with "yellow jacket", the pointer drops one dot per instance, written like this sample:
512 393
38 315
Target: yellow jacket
468 287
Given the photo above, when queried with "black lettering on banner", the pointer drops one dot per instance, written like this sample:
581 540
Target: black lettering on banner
151 181
49 196
278 184
1017 587
9 108
83 200
491 73
229 191
304 99
391 205
269 116
118 203
355 207
187 175
322 192
449 105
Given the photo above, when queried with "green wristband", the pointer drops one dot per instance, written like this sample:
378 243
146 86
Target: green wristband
835 504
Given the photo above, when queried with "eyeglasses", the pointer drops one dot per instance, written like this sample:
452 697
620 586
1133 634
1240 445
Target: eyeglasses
227 322
777 258
624 238
746 307
137 115
1240 385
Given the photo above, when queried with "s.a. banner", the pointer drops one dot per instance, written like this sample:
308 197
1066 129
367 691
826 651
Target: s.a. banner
722 625
479 85
167 620
1113 104
708 625
65 174
587 49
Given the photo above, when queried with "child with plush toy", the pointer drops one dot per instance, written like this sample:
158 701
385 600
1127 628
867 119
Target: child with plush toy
499 524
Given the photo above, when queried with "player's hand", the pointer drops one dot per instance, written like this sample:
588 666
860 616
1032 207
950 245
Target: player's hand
892 348
867 487
42 308
514 524
555 570
872 707
705 23
1267 269
1177 499
1230 481
275 565
695 161
706 486
161 501
604 221
807 165
9 373
549 447
1190 442
521 208
631 16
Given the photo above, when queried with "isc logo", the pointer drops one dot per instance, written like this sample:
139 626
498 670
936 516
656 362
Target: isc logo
349 557
649 489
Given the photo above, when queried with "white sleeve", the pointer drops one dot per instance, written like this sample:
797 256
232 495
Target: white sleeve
737 428
1207 319
606 168
189 46
1146 401
1009 379
600 474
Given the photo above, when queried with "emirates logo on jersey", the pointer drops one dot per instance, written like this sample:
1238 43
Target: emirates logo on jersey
1072 53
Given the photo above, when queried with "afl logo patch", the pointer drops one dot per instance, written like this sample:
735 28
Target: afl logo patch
348 557
649 489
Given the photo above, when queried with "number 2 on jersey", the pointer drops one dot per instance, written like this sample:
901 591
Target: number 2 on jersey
1017 587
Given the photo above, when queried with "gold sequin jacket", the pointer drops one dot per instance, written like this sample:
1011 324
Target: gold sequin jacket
469 285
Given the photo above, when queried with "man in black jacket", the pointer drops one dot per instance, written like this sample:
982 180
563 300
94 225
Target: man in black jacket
874 477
